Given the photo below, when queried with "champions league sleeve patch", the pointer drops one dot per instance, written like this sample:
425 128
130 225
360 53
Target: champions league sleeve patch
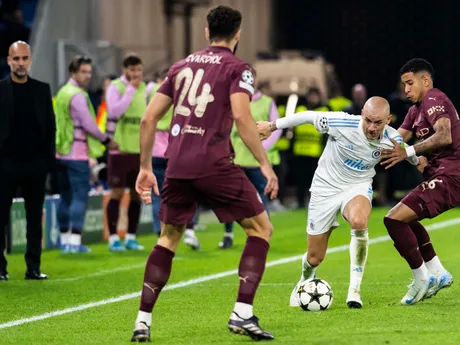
322 124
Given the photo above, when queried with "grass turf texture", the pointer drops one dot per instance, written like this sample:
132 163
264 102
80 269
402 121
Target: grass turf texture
198 313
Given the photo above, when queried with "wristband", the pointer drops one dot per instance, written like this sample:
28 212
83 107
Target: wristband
410 151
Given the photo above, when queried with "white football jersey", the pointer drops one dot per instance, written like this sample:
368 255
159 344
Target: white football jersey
349 157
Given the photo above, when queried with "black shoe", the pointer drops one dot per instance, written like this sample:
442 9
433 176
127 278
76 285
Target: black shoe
226 243
4 276
141 333
35 275
249 327
354 305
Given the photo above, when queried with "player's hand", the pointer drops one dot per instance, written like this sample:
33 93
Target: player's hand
393 156
271 189
112 145
146 181
422 164
263 127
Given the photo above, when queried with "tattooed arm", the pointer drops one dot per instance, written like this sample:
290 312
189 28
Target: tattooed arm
441 137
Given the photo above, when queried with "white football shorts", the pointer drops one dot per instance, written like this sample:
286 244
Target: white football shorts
324 210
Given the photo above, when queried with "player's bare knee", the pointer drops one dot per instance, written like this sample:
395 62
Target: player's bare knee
358 222
395 213
170 236
259 226
268 231
264 231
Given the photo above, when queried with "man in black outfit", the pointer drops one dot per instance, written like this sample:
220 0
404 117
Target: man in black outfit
27 152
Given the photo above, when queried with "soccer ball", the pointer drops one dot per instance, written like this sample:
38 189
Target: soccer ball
315 294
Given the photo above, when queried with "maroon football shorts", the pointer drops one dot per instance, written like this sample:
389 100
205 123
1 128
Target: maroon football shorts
230 194
433 197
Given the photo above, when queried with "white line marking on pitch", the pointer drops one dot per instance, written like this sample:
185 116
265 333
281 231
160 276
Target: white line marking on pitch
99 273
102 272
199 280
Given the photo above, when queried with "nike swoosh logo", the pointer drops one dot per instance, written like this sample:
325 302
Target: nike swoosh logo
409 301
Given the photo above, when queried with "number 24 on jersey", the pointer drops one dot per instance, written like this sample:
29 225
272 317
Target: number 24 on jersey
189 90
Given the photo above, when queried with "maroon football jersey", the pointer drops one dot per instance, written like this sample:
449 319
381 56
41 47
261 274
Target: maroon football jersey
200 86
420 120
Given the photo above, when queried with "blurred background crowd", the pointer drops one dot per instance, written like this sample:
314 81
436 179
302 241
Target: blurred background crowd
319 56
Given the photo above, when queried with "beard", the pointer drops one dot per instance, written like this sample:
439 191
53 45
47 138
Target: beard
20 73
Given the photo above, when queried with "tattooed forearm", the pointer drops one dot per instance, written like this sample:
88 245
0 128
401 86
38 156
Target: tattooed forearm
441 137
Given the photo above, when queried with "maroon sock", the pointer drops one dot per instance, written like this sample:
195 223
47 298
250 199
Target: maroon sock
134 213
405 241
251 269
157 272
113 210
423 240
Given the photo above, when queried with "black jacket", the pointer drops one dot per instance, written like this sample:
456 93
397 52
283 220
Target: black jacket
43 104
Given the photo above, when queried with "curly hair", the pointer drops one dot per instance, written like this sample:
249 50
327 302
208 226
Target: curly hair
223 23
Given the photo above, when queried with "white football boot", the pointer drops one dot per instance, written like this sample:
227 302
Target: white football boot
442 281
417 290
294 300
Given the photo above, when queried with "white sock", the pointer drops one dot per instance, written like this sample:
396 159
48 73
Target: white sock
359 245
243 310
75 239
65 237
189 233
308 271
129 237
420 273
113 238
435 267
229 234
142 316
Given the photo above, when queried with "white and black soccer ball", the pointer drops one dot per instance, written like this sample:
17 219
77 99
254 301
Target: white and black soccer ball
315 295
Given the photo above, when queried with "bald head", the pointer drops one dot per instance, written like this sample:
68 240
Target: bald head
19 47
377 106
19 60
375 114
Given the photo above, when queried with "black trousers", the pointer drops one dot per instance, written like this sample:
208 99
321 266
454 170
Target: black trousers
32 182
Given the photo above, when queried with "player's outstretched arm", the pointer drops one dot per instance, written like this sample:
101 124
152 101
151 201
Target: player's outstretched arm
247 128
319 119
296 119
266 128
441 137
